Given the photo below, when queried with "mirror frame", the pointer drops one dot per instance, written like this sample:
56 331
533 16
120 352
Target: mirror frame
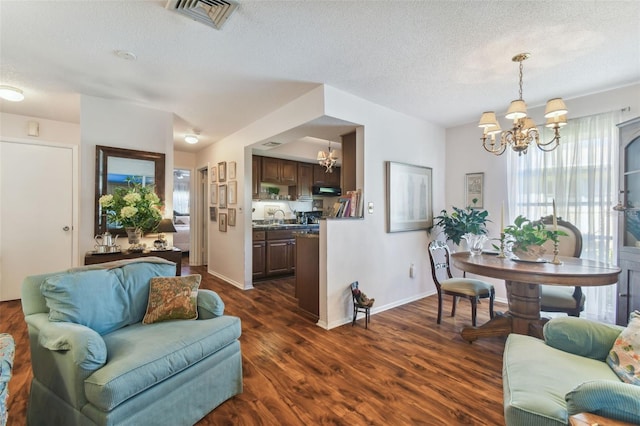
102 155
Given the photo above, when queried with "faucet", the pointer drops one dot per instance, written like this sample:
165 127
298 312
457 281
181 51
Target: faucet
283 215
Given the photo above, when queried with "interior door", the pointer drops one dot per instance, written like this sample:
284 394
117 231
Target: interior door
36 201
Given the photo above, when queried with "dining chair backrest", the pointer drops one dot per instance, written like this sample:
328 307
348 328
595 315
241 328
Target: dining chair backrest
570 245
439 256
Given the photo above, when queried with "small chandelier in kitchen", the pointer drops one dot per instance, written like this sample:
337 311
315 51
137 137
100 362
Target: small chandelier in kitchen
524 130
327 159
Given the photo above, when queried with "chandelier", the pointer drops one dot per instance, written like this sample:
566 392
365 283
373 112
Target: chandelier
524 131
327 159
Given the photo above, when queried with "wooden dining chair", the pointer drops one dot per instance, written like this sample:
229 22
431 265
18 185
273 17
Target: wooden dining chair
468 288
561 298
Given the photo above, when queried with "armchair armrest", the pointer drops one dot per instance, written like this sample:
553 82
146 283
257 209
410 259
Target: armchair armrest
607 398
85 347
581 337
210 305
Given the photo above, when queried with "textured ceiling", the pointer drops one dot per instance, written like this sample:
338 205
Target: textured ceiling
443 61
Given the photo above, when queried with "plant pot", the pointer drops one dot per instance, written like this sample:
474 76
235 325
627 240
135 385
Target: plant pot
532 253
134 235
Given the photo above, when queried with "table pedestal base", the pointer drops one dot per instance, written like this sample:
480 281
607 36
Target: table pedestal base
523 316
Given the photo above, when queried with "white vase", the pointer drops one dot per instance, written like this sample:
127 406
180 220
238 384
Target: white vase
532 253
134 235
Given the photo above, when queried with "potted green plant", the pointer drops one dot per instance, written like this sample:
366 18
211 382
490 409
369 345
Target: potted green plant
527 238
468 221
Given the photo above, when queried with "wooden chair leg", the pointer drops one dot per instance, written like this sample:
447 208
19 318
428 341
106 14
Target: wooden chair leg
474 310
453 306
439 308
491 299
355 314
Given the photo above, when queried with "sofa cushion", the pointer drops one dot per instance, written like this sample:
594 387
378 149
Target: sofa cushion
103 299
607 398
624 357
140 356
536 377
172 298
581 337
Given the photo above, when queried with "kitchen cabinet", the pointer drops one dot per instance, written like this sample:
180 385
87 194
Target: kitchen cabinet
305 180
307 273
320 177
629 222
280 252
256 164
279 171
259 254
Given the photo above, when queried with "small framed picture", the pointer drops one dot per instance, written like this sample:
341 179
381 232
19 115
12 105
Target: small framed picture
232 217
222 196
213 199
213 214
233 192
232 170
474 190
222 171
213 172
222 222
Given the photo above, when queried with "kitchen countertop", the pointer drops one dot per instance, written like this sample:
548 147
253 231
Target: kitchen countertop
277 226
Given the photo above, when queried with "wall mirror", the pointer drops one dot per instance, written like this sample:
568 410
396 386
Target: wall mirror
114 166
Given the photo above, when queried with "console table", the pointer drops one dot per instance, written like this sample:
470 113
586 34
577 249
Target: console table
173 255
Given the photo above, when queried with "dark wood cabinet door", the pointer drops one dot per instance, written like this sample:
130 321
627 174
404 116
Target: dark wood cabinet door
259 254
270 170
305 179
321 177
278 257
288 172
255 176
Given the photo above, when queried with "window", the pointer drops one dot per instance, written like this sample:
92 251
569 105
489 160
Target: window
582 176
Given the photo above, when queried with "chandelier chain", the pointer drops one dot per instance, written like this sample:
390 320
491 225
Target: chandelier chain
521 80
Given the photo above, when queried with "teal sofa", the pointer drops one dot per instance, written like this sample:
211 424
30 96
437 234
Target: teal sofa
108 368
547 381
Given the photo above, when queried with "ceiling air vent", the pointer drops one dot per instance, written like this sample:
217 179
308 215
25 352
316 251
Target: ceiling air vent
213 13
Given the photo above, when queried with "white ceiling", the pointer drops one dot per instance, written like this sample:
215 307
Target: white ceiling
443 61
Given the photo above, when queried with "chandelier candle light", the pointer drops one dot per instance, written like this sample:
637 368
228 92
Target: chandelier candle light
524 131
327 159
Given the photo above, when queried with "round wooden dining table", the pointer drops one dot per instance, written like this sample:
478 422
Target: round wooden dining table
522 280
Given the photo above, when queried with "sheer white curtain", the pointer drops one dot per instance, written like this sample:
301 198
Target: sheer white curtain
582 176
181 197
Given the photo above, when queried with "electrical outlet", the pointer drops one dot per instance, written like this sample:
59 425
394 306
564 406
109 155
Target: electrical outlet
370 207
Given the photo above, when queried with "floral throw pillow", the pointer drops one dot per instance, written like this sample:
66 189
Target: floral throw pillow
624 357
172 298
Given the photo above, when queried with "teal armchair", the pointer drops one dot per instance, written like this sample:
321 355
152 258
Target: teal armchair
103 366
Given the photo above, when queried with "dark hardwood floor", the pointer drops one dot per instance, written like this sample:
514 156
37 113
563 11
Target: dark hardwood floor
404 370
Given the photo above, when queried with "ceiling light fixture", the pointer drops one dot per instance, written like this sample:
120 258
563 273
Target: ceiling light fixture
524 130
11 93
327 159
192 138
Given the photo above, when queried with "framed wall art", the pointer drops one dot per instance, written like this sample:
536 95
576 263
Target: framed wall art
474 190
222 222
213 173
213 214
409 197
213 199
232 170
222 196
232 217
222 171
233 192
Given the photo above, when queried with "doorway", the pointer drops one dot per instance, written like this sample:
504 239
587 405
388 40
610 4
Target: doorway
37 226
181 209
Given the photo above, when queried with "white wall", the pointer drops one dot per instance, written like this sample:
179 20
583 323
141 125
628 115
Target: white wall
464 154
123 125
353 249
15 126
